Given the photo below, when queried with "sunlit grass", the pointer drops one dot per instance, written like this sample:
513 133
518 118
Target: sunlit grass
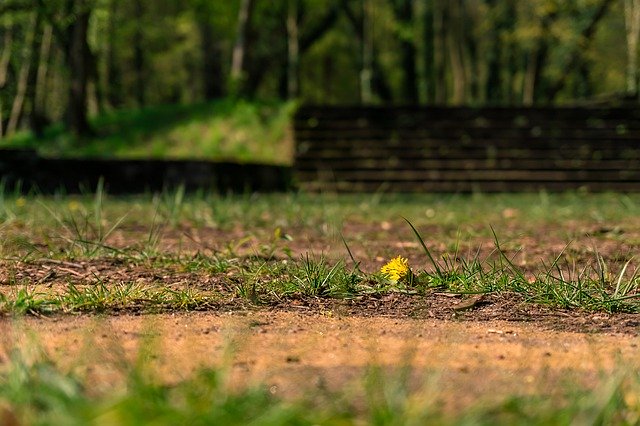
82 228
222 130
260 282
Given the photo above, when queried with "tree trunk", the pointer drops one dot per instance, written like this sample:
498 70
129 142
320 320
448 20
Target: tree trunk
511 56
301 36
78 57
632 26
370 69
314 31
24 76
454 45
40 51
379 83
583 87
43 68
536 60
5 57
440 22
138 54
468 51
493 89
366 71
534 87
212 74
238 65
293 50
111 82
425 43
403 10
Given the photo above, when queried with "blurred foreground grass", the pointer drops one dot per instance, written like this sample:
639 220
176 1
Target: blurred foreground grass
36 391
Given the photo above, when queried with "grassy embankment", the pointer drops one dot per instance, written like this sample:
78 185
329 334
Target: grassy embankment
221 130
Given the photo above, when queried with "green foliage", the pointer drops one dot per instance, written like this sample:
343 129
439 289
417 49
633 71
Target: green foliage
143 54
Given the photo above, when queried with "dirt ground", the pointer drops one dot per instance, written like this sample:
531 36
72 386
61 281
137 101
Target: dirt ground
499 347
459 362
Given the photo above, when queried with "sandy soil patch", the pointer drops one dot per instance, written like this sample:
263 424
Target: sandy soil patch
458 363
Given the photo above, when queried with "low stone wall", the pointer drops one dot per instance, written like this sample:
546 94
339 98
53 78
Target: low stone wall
46 175
437 149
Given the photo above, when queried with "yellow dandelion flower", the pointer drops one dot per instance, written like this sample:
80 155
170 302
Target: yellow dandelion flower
396 269
74 205
21 202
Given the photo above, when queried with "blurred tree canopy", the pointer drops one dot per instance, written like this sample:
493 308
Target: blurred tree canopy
63 60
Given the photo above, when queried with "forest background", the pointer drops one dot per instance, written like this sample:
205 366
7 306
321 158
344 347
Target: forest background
64 61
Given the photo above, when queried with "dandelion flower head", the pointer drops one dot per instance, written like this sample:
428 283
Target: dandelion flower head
396 269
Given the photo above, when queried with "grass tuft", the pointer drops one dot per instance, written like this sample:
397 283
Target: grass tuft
592 288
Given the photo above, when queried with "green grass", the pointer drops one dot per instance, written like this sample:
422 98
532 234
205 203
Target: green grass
265 283
220 130
36 391
453 213
76 229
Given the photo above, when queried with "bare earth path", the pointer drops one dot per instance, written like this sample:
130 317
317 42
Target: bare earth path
459 362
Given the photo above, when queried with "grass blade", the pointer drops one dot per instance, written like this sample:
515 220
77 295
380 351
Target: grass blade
435 264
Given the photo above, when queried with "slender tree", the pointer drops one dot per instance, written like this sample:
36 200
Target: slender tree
40 94
293 49
404 15
425 46
534 85
632 26
304 30
238 61
440 22
24 76
212 63
5 57
70 25
372 79
498 88
138 53
455 45
79 60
